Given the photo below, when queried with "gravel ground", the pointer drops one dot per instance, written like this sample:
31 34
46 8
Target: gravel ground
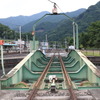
44 95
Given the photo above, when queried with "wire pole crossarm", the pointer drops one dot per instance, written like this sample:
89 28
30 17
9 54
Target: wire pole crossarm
38 21
52 14
75 28
68 17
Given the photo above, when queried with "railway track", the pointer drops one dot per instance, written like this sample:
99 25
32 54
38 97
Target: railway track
40 80
68 80
38 83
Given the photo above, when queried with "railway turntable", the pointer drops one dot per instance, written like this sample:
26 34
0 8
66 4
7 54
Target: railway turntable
38 77
52 76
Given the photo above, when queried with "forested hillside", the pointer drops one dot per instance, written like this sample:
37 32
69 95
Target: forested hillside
92 14
6 32
91 37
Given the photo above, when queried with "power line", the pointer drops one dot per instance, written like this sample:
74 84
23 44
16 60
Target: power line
51 1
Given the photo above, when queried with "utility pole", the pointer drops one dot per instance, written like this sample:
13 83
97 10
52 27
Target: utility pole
20 38
74 38
27 42
46 38
2 59
65 43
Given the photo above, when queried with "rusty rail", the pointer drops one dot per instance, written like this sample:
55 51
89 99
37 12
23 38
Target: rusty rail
70 87
39 81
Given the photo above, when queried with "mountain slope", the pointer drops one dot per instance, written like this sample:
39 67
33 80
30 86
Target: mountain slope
21 20
92 14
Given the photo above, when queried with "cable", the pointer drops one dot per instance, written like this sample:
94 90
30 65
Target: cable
51 1
56 5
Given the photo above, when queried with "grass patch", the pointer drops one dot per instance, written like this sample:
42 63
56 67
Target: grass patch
91 52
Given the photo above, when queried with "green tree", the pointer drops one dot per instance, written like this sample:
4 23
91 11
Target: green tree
91 38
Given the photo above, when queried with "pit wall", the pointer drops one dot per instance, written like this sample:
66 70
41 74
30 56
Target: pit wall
21 71
87 69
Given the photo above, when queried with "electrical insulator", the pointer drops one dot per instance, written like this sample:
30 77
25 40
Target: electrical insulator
54 10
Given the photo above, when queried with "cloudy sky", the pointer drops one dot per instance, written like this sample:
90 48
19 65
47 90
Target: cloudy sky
28 7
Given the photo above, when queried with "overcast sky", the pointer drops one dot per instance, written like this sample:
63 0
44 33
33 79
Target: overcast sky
28 7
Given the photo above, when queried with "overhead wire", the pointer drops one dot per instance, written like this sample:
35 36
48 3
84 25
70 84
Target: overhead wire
56 5
62 10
